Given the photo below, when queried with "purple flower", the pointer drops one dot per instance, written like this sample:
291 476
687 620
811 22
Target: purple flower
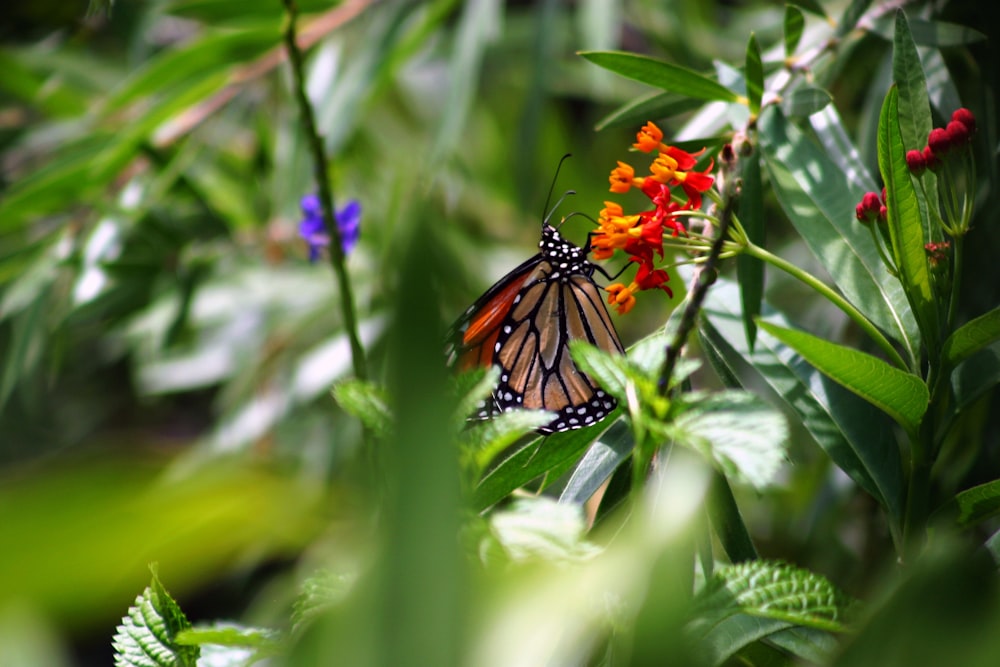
314 231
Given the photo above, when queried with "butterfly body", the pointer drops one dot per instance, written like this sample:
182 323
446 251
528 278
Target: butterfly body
523 325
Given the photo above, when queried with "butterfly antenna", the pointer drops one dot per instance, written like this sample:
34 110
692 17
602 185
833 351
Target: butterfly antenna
547 213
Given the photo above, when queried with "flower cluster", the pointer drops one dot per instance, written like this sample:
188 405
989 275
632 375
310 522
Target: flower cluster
872 208
947 155
640 235
942 141
315 233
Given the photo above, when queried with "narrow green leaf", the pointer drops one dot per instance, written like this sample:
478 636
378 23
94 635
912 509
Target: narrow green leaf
750 269
727 522
914 107
971 338
648 107
486 440
975 376
905 223
805 100
852 14
794 24
901 395
973 506
857 437
754 73
819 196
937 34
532 461
599 463
663 75
147 635
477 29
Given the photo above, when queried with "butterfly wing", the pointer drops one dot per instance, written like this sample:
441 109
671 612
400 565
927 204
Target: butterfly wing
523 325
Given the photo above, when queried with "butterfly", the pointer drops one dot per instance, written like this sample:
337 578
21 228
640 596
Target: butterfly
523 325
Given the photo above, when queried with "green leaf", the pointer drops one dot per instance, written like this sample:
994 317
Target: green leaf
772 590
366 401
906 227
857 437
599 463
321 591
651 106
938 34
805 100
488 439
901 395
147 635
914 106
532 461
735 633
663 75
975 376
230 634
852 14
727 522
543 529
750 269
819 196
970 338
794 23
754 73
744 435
973 506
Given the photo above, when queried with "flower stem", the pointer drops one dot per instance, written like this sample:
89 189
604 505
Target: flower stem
831 295
321 173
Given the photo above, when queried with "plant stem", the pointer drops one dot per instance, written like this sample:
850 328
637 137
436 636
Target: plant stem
835 298
321 173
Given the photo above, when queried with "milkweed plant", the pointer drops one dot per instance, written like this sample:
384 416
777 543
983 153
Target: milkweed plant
648 538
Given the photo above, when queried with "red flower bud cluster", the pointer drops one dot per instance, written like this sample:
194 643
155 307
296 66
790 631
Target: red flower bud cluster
872 208
941 141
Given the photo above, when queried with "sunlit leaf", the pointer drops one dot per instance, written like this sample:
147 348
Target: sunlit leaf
147 636
660 74
903 396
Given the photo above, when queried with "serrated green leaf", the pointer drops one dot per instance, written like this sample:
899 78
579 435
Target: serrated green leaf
147 635
366 401
857 437
970 338
320 591
805 100
773 590
906 226
599 463
663 75
744 435
750 269
754 73
541 528
794 24
819 196
651 106
901 395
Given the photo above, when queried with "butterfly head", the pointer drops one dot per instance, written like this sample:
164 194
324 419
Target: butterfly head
565 256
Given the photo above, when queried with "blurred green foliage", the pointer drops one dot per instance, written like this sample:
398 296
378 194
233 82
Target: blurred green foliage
167 352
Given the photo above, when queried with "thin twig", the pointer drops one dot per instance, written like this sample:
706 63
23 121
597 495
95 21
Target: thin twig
322 175
705 276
